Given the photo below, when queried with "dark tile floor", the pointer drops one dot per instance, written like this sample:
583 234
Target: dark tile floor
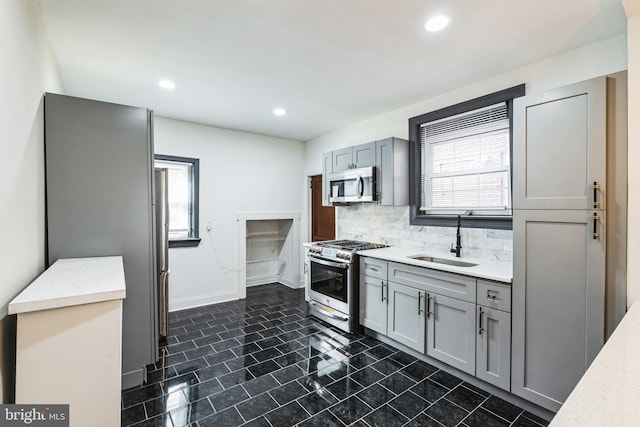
262 362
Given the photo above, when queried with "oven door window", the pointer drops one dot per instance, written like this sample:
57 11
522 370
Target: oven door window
330 281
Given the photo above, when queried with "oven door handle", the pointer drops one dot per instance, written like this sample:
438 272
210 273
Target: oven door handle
328 263
324 312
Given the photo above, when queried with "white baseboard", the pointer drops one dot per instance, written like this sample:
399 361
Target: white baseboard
185 303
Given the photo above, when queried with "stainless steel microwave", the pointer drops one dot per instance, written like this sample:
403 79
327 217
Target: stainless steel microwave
353 185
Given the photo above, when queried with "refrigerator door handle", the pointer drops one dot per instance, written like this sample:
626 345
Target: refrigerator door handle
164 314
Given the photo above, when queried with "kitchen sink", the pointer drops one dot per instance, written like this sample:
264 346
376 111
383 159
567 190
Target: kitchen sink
446 261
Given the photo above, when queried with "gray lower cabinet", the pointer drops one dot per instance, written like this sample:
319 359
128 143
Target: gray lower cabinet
373 303
406 316
493 347
451 332
558 302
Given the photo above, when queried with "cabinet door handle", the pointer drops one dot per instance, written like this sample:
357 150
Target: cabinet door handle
382 289
596 217
480 328
429 313
596 187
419 303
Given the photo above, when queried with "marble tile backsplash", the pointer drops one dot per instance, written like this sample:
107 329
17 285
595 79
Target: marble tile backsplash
390 225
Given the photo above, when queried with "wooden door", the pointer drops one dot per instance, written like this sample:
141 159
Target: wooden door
323 218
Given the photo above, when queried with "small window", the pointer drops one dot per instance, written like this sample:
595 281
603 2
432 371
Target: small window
461 158
183 199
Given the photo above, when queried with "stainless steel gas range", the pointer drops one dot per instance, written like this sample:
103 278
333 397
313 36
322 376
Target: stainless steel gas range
333 284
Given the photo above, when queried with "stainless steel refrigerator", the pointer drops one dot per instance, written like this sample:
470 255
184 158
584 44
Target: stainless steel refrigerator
100 200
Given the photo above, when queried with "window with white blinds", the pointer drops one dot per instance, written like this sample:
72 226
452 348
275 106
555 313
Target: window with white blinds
465 163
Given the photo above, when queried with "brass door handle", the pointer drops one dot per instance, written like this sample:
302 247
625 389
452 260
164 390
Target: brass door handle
429 313
420 310
596 187
480 328
596 217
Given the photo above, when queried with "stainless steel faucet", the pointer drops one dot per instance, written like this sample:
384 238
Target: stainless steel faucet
456 250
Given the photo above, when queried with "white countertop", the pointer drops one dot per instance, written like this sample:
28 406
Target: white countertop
491 270
609 392
73 281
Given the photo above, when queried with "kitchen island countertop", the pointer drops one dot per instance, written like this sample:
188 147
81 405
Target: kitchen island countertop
73 281
500 271
609 392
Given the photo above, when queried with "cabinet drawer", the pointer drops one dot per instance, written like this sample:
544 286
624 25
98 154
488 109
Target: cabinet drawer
440 282
373 267
494 295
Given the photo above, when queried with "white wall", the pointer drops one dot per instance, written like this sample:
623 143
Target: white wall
28 69
632 9
239 172
604 57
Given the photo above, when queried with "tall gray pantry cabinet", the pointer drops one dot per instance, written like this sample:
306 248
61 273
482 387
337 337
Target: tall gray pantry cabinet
99 169
559 188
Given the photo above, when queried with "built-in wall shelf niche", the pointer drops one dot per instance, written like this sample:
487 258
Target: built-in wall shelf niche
266 259
268 248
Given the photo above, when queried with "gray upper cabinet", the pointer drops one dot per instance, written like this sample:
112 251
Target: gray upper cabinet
392 172
559 148
390 157
358 156
451 333
406 316
326 167
558 301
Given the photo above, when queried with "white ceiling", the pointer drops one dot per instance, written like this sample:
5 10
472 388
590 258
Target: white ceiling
329 63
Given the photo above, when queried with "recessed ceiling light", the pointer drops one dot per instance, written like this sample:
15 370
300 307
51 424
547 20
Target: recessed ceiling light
437 23
167 84
280 112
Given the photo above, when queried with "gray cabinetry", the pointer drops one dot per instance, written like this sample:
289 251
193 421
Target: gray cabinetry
326 168
390 157
558 302
358 156
451 333
373 303
559 150
406 316
441 315
392 172
493 341
374 294
439 282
